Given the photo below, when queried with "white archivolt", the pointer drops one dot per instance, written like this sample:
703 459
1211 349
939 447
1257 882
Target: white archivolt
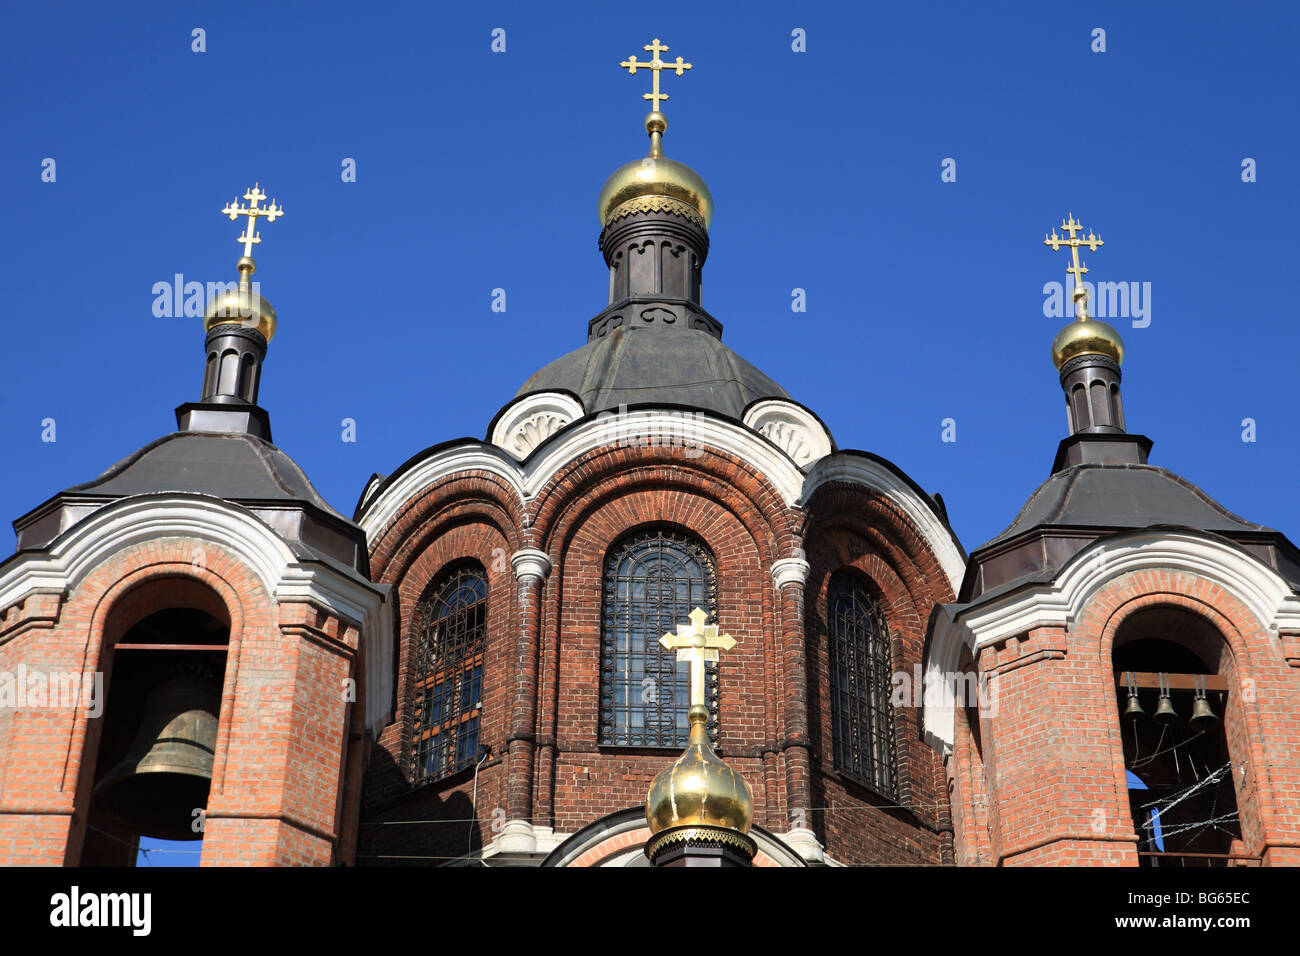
146 518
679 433
1261 589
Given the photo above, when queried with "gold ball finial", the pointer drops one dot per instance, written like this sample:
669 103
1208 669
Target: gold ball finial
699 789
241 303
1087 336
655 182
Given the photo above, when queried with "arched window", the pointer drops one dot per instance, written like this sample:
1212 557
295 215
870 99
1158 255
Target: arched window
450 633
1173 688
862 718
653 580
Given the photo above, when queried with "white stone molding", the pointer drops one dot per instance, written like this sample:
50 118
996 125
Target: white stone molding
530 562
873 474
683 433
792 428
804 842
374 482
1264 593
532 420
521 843
516 836
140 519
789 571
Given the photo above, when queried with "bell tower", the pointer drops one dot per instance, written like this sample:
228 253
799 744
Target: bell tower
220 615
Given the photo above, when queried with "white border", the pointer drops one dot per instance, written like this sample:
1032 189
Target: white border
147 518
1262 590
680 432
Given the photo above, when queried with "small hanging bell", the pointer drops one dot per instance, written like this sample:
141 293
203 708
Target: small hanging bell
1165 713
1204 719
1133 709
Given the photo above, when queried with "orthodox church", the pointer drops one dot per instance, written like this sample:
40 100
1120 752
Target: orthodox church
655 617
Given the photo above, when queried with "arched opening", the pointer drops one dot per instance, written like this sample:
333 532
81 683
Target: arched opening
228 376
247 377
861 666
451 634
155 750
1079 407
1173 674
1100 404
654 577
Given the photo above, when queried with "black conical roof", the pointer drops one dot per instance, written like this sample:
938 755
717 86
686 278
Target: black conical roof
633 365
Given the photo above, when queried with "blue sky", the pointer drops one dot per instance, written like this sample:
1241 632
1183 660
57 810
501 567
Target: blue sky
479 170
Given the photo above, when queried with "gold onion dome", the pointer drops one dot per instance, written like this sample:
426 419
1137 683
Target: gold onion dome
1087 336
241 305
699 789
641 181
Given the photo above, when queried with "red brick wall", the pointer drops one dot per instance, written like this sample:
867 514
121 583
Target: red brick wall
851 528
471 517
583 510
277 778
1054 748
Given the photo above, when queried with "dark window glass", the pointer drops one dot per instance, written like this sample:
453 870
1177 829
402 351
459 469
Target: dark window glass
862 718
653 580
450 632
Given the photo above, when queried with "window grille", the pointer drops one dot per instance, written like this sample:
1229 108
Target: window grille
450 634
652 582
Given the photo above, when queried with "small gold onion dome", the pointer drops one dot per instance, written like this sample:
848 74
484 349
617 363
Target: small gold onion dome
1086 336
699 789
241 305
655 175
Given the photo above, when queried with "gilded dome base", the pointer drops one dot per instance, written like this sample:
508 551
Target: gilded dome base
713 841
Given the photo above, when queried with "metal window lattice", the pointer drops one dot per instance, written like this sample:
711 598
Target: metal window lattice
450 632
652 582
862 717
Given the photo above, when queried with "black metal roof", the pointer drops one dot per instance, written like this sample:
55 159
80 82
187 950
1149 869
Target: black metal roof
1082 503
236 467
230 466
640 366
1122 496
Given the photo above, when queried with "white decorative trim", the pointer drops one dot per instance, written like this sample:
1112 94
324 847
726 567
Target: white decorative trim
804 842
148 518
532 420
684 433
374 482
1264 593
792 428
520 838
872 474
516 836
789 571
531 562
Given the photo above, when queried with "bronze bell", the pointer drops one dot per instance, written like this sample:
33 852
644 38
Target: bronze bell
1165 713
165 777
1204 718
1133 709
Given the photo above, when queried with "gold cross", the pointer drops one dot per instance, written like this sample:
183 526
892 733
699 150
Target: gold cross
252 211
697 643
655 65
1077 269
1074 242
